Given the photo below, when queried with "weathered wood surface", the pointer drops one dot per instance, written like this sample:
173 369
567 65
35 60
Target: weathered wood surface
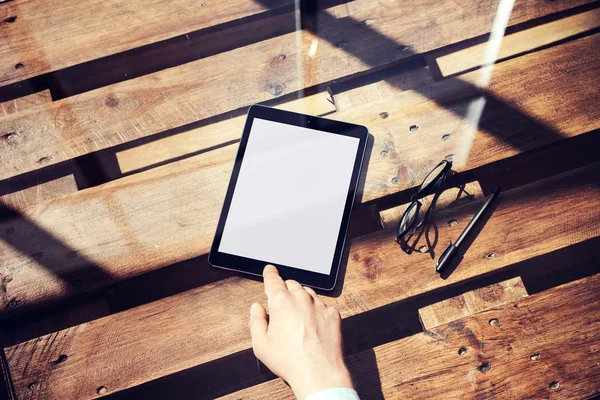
552 99
39 186
168 214
472 302
198 332
208 136
545 346
516 43
48 36
177 96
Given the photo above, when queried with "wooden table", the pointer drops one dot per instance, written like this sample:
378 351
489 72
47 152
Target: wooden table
119 121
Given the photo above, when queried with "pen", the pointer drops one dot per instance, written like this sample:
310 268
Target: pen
449 252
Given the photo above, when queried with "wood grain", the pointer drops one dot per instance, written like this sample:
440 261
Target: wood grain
198 332
208 136
40 186
204 88
472 302
168 214
517 43
546 346
518 115
46 37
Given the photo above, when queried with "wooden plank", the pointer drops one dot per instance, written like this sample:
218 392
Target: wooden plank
37 187
200 334
177 96
208 136
472 302
531 354
25 102
45 37
136 233
451 197
517 116
517 43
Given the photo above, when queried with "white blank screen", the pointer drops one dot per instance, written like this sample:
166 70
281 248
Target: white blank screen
290 195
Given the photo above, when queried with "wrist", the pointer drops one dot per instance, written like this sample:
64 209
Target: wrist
317 381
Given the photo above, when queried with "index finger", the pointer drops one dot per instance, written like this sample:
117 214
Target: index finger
273 281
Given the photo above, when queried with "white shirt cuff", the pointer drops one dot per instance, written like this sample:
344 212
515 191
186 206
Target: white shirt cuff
334 394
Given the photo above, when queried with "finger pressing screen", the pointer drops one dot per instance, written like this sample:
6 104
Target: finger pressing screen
273 281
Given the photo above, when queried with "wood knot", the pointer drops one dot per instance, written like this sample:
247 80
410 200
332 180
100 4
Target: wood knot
111 102
372 267
356 257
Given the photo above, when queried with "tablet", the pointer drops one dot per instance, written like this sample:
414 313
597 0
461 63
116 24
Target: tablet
290 196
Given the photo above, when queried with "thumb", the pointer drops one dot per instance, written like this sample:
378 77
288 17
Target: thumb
258 327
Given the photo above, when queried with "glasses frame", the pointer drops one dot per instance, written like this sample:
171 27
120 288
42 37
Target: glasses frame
435 186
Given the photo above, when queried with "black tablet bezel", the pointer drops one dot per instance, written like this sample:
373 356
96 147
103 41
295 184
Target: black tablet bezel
255 267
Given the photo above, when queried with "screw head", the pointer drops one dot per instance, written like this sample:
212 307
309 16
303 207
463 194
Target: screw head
494 322
554 385
452 222
414 128
535 357
485 367
446 137
101 390
394 180
384 115
462 351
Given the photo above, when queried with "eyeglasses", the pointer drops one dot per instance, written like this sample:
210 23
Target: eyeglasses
414 217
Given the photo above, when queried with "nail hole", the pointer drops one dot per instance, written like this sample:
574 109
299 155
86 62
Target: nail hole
394 180
384 153
490 255
535 357
554 384
494 322
446 137
384 115
462 351
277 90
10 19
9 136
414 128
61 359
101 390
19 65
44 160
452 222
203 5
485 367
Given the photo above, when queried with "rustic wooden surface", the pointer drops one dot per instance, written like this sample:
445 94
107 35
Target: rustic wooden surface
200 333
110 27
530 354
135 233
516 43
472 302
174 97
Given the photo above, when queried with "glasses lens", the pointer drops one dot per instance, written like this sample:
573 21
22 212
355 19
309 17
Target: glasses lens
433 175
408 218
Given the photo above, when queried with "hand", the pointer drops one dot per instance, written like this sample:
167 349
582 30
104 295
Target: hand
301 339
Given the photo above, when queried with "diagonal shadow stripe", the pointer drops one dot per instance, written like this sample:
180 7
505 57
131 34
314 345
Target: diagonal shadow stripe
68 265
